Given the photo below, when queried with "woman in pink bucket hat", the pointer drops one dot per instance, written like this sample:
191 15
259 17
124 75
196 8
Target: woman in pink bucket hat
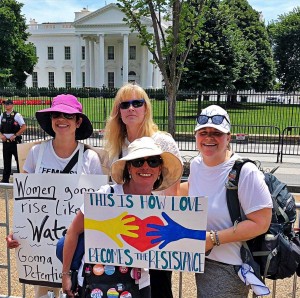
66 123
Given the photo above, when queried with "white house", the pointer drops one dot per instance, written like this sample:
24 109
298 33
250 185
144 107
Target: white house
97 49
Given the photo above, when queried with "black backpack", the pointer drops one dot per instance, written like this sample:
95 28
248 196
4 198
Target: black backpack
275 254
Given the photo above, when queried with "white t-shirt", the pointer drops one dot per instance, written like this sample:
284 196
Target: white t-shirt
210 181
118 189
52 163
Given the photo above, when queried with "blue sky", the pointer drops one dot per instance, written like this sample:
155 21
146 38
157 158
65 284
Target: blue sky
63 10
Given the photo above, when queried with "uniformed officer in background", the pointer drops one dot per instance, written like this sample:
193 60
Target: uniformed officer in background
12 125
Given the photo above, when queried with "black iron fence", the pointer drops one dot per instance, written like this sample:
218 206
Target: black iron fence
266 123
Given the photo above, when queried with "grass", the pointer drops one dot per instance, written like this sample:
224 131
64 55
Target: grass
242 114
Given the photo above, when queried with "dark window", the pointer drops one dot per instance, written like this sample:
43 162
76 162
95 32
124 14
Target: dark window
50 53
111 53
34 80
83 79
111 80
67 53
51 79
83 53
68 79
132 52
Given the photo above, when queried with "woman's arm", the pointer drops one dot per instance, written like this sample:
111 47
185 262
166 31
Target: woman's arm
75 229
184 189
257 223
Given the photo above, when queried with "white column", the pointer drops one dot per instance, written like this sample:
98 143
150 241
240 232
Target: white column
155 77
92 59
87 64
78 82
125 58
101 61
149 71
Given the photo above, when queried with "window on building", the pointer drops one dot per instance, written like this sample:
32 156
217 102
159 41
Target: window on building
83 79
83 53
51 79
111 53
68 79
111 80
132 73
67 53
132 52
34 80
50 53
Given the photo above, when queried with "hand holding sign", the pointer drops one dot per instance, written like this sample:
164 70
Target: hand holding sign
173 231
113 227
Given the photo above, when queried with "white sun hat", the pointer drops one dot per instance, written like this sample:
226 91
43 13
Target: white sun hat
144 147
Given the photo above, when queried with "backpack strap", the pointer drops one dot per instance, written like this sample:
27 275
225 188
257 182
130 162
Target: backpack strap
233 202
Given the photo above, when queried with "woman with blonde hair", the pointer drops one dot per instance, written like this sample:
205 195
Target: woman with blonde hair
131 118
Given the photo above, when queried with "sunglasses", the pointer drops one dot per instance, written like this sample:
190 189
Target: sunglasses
56 115
216 119
152 161
136 103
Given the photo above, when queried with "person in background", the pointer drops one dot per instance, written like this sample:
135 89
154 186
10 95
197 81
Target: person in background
12 126
131 118
145 168
66 123
208 174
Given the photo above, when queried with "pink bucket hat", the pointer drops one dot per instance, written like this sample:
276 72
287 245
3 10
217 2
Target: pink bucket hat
65 103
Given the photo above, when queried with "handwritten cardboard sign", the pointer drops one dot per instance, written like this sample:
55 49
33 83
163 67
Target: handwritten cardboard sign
145 231
44 206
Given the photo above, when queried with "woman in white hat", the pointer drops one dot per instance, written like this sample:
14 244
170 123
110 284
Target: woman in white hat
145 168
208 174
131 118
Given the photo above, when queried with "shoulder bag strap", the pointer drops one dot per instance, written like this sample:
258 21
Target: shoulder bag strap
77 158
41 153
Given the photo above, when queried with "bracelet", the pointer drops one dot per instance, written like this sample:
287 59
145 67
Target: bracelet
66 273
212 237
217 238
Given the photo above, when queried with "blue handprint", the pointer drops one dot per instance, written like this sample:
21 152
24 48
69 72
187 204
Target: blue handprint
172 232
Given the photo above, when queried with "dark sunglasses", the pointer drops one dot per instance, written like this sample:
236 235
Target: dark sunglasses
136 103
56 115
216 119
152 161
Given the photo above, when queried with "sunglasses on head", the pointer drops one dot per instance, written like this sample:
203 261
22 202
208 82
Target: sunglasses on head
55 115
152 161
216 119
136 103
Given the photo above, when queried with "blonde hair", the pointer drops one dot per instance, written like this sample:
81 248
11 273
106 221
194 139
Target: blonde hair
115 129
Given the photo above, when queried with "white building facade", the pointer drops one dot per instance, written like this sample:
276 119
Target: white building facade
97 49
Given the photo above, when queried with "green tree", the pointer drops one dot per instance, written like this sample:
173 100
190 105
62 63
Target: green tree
258 68
214 62
174 25
17 56
285 36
